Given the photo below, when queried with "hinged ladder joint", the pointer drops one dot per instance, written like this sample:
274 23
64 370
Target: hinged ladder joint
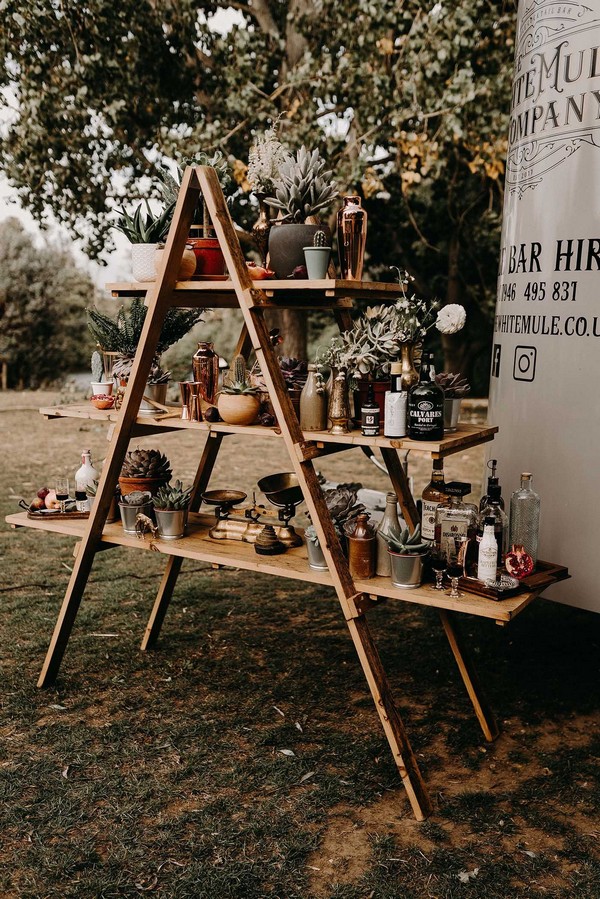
359 604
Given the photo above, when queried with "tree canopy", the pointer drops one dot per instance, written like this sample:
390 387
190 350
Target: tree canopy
407 98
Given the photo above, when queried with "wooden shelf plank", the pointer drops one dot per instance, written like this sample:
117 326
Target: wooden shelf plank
292 564
466 437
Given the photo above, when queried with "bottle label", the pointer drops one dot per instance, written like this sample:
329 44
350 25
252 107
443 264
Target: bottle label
425 418
451 534
487 561
428 519
370 422
394 424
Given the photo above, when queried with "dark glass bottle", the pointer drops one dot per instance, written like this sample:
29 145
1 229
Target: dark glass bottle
492 482
369 414
426 407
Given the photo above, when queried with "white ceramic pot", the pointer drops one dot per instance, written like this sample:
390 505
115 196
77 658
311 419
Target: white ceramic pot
142 261
100 388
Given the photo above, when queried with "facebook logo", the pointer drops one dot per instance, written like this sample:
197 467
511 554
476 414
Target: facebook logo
496 360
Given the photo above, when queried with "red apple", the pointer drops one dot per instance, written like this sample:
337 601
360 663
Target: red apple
43 493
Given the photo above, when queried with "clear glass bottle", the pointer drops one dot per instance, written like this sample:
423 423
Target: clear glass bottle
492 481
86 474
394 420
455 522
426 407
525 517
205 365
493 509
487 559
432 496
389 525
313 401
369 414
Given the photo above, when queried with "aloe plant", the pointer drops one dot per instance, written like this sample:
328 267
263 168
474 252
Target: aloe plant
406 543
145 228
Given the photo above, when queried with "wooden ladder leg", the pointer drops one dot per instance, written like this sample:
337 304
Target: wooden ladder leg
174 563
400 484
390 719
484 713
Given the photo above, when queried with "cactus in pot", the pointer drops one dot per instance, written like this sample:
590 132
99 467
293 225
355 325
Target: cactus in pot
317 256
238 401
100 384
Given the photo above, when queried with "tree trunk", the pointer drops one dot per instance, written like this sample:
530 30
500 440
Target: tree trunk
293 327
454 345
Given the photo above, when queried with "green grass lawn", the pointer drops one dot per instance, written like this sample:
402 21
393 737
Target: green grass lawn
243 758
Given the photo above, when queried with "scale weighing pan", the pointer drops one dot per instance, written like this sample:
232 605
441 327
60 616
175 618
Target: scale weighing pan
223 497
282 489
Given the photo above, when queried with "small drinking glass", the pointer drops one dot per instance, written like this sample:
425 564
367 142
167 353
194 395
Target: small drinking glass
456 566
439 564
62 492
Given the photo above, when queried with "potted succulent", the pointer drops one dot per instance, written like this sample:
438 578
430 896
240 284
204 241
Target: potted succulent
407 552
317 256
266 156
139 502
100 384
144 231
343 506
171 505
120 337
144 469
238 402
304 187
455 388
205 246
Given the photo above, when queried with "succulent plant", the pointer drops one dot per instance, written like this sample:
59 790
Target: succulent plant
294 371
97 367
455 387
238 382
239 388
173 497
304 187
320 239
407 543
146 463
148 228
136 498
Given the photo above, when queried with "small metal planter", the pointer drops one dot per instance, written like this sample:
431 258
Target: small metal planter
316 559
407 569
171 523
451 414
129 514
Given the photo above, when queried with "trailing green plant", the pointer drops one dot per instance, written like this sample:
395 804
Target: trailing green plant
172 497
454 386
304 187
146 463
148 228
320 239
97 367
406 543
122 334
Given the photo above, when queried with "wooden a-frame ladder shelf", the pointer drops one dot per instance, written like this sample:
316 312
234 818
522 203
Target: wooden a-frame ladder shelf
356 598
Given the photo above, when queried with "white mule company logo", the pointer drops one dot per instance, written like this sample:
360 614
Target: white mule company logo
558 44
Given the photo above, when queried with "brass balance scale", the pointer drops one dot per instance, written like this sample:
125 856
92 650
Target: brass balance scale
256 523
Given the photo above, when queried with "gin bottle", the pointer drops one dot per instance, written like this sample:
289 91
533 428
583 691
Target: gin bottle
525 517
455 522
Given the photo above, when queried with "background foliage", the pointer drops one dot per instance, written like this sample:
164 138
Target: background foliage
43 295
408 99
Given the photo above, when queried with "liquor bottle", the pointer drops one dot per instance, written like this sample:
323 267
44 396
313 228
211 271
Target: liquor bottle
82 503
492 481
369 414
426 407
313 402
455 522
487 559
493 509
205 365
394 420
432 496
86 475
525 517
388 526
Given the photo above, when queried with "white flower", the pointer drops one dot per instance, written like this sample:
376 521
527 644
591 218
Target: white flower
451 319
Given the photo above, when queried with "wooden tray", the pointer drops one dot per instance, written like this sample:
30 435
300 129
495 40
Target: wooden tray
545 574
58 515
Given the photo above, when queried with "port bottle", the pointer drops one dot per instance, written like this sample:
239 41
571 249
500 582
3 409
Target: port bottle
426 407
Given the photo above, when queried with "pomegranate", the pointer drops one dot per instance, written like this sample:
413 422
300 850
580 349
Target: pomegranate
259 272
518 562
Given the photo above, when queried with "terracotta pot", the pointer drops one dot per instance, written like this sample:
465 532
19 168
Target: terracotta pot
187 266
208 253
153 485
238 409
